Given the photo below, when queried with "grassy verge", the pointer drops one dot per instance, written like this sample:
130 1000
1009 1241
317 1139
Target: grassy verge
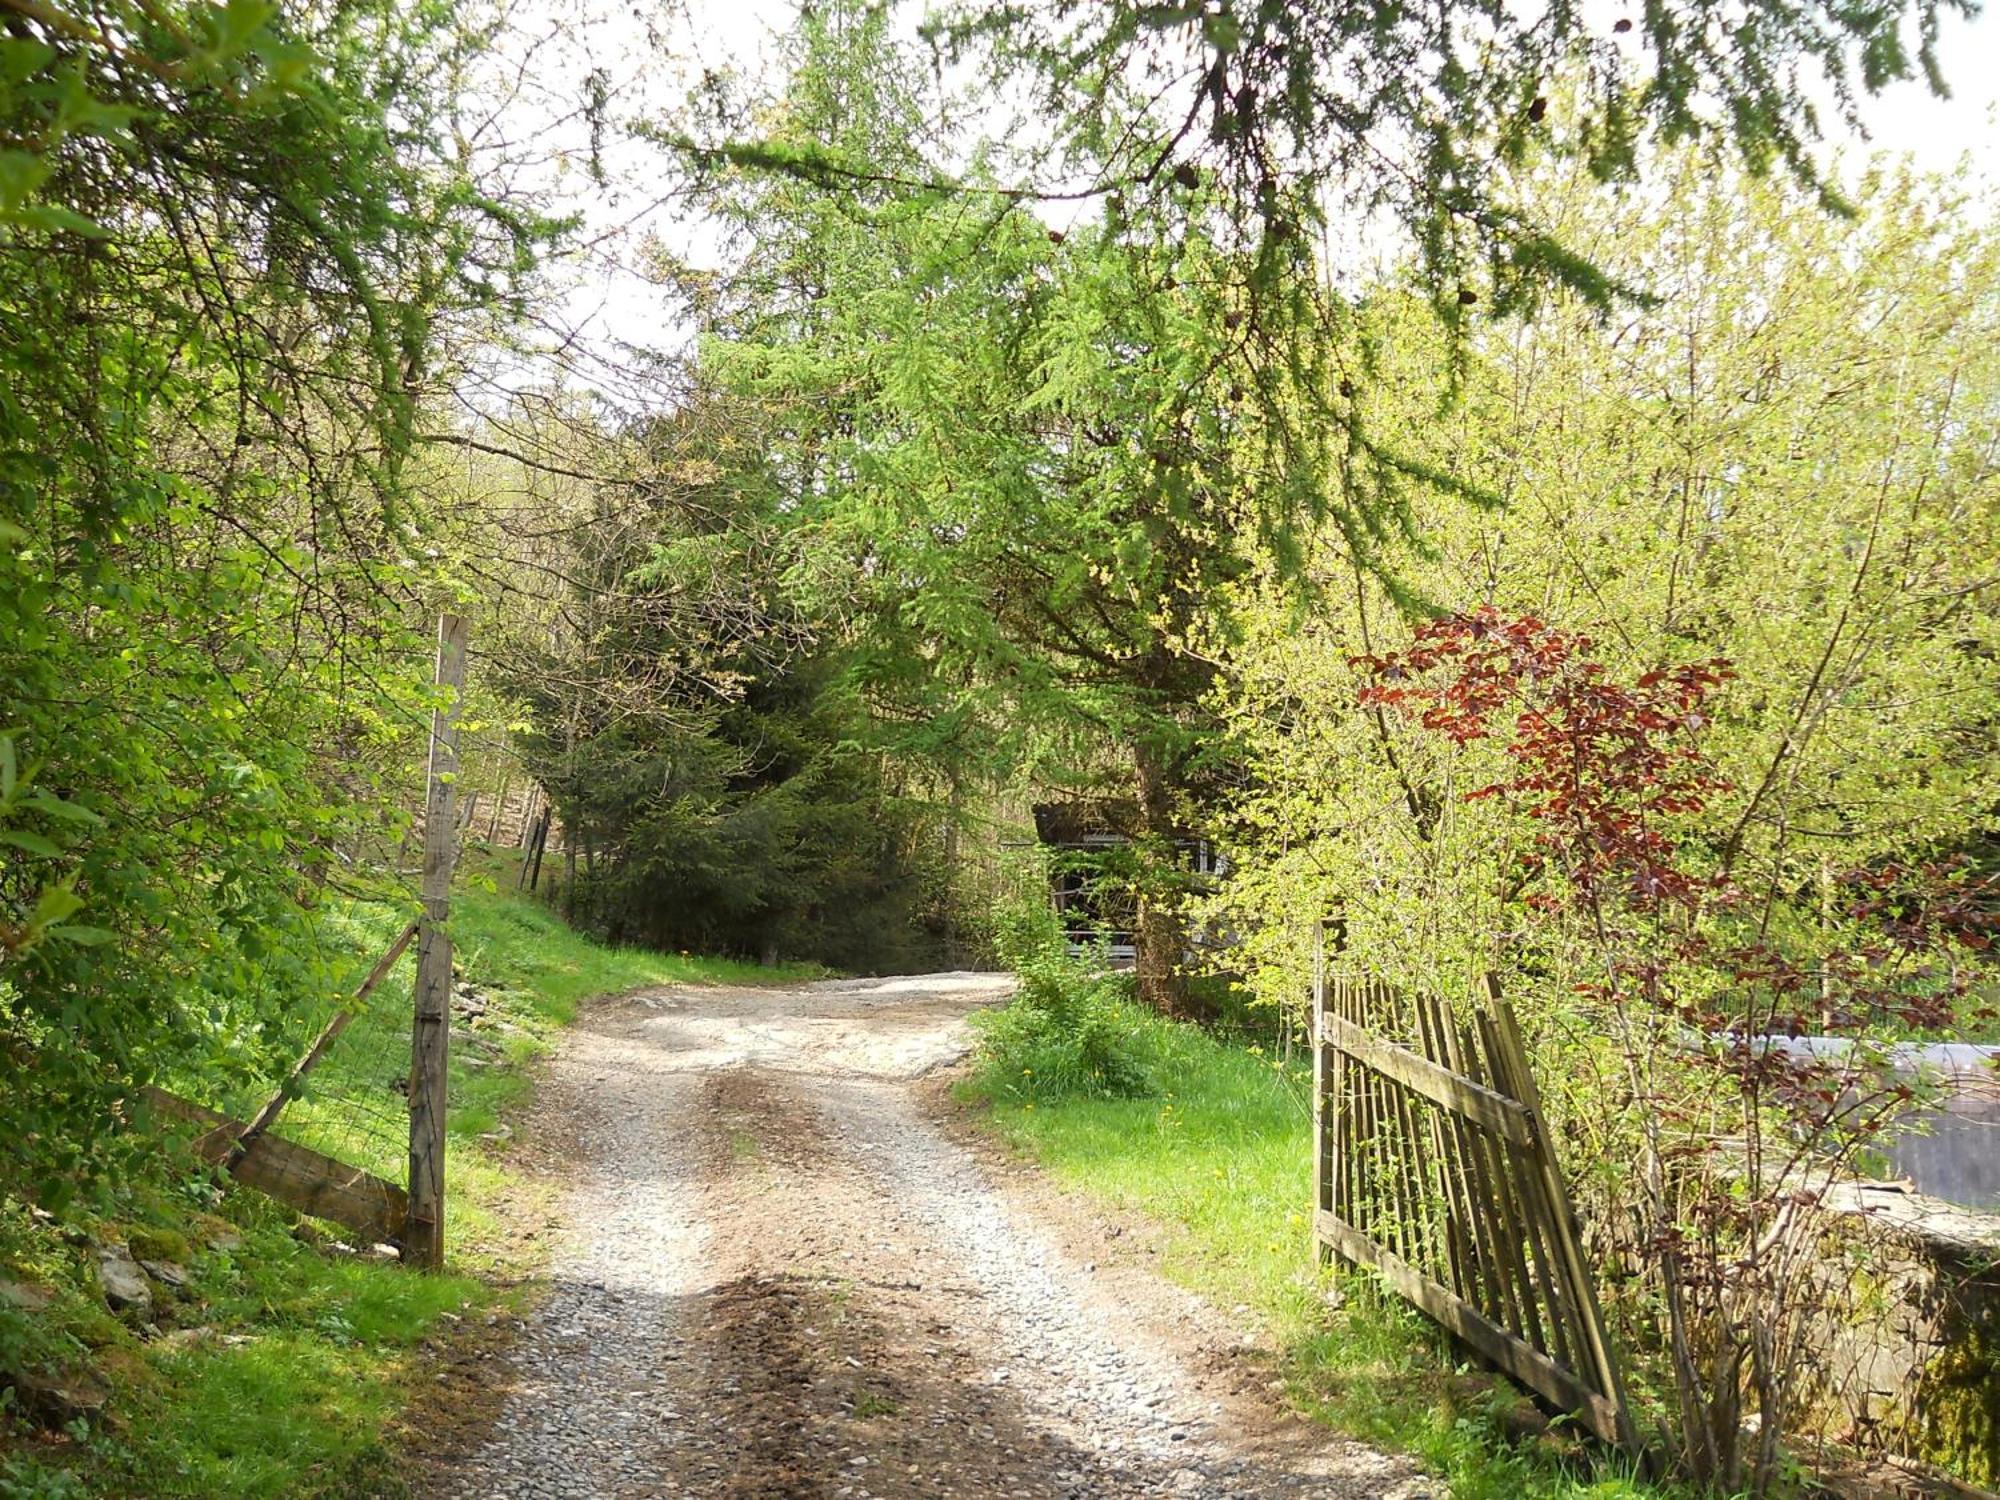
1217 1149
280 1368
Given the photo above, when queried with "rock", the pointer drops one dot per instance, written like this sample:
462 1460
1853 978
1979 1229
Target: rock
57 1400
26 1296
225 1240
124 1284
166 1273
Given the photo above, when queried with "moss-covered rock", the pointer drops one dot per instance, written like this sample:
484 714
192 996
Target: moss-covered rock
148 1242
1957 1416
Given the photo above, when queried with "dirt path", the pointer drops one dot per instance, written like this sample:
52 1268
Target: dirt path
780 1276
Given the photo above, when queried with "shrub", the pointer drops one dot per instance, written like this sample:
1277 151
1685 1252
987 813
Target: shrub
1071 1028
1664 971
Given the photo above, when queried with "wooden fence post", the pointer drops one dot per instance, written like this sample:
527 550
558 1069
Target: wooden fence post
1322 1158
533 870
430 1040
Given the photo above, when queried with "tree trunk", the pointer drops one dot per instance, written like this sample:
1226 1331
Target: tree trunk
575 803
499 807
954 953
1159 933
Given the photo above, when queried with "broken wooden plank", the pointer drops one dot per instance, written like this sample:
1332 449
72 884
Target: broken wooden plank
295 1175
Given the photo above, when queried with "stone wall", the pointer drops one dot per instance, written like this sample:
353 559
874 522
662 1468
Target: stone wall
1911 1353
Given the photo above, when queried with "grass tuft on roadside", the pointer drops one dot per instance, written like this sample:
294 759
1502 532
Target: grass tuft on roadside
1218 1150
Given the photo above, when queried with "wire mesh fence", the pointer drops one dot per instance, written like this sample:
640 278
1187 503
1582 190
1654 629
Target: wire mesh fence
353 1103
320 1121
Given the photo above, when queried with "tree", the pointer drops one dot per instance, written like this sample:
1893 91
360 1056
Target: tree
1014 451
1352 107
678 704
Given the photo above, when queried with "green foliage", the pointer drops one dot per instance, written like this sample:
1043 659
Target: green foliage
1012 460
228 233
768 832
688 716
1070 1028
1264 115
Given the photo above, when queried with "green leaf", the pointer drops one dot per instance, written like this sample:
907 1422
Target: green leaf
32 843
55 904
21 58
83 936
56 807
21 174
81 112
237 25
51 217
289 66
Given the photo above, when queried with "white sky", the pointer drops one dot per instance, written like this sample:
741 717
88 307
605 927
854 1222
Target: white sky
607 308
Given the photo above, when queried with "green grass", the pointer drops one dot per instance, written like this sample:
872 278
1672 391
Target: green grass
286 1365
1218 1152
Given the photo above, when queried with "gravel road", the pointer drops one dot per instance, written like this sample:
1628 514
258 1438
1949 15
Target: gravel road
780 1274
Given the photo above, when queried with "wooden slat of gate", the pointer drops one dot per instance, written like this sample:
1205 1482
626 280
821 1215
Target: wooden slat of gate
1432 1168
1562 1225
1501 1345
1474 1263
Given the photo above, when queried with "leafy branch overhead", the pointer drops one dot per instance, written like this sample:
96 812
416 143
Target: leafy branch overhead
1336 109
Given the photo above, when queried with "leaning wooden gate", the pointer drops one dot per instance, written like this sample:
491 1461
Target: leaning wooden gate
1432 1168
